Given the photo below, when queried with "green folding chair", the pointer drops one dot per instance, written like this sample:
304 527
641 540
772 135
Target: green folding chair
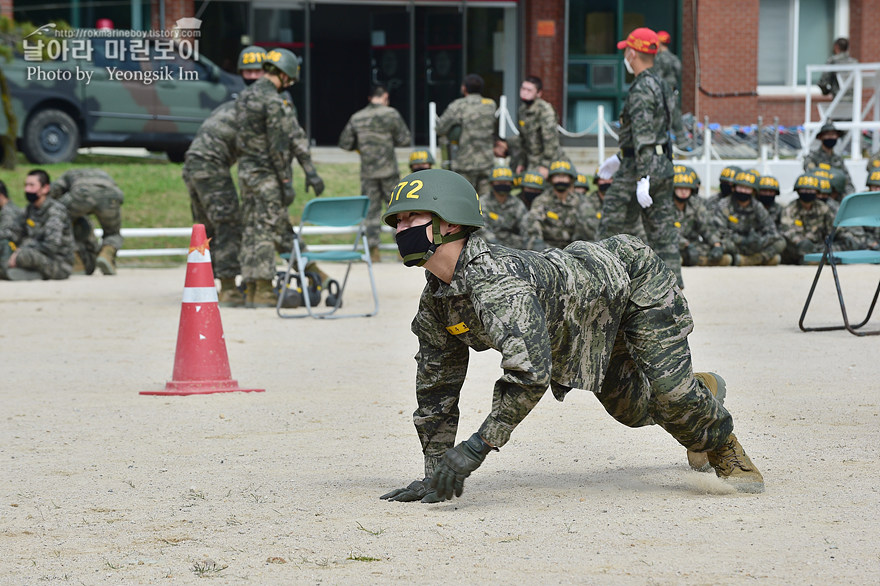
857 209
335 212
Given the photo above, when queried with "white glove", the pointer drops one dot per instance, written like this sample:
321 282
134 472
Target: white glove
642 192
609 167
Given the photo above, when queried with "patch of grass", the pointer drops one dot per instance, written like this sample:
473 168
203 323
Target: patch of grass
371 532
362 558
207 568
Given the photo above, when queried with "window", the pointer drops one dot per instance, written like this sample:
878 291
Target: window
793 34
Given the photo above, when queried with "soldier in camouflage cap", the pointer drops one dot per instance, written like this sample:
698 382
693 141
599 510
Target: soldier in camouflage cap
533 184
420 160
642 171
699 239
538 137
374 132
474 117
824 157
606 317
748 230
507 219
562 214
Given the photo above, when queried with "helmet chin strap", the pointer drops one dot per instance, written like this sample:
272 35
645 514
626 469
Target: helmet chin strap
439 239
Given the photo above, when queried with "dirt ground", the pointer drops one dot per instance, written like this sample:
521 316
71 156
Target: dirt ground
100 484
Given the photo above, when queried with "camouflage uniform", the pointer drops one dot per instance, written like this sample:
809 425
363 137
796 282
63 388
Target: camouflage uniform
644 125
822 159
748 230
805 231
561 222
873 163
667 66
476 117
10 217
697 230
374 132
44 239
593 209
264 176
91 191
604 317
539 140
509 223
212 193
828 82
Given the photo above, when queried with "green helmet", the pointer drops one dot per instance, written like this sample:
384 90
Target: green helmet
501 173
824 186
768 183
838 180
445 194
746 179
688 180
807 181
284 61
729 173
582 181
823 173
873 178
251 58
562 168
421 158
533 180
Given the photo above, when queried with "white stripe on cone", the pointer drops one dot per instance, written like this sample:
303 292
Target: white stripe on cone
196 256
200 295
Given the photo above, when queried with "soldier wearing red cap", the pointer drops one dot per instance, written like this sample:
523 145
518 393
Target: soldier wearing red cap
642 170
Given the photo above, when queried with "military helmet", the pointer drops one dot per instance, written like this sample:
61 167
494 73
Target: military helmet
824 186
768 183
687 180
582 181
746 179
807 181
283 60
251 58
829 127
502 173
873 178
822 172
729 173
421 158
838 180
445 194
562 167
532 180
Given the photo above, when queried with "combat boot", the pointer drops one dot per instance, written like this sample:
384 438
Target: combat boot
699 461
313 268
106 260
249 289
732 464
749 260
772 261
264 294
725 261
230 295
375 256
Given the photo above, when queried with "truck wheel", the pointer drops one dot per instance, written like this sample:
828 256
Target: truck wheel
50 136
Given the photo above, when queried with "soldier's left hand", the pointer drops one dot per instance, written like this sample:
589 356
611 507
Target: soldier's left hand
287 194
418 490
457 464
315 181
643 192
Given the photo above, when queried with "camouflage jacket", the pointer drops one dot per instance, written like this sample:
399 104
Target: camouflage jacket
750 223
538 137
10 218
553 316
667 66
263 139
374 132
561 222
828 82
814 224
299 142
46 229
645 122
476 116
215 142
775 212
594 215
820 158
509 223
696 223
96 182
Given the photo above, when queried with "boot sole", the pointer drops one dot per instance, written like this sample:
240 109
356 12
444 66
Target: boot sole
105 266
749 486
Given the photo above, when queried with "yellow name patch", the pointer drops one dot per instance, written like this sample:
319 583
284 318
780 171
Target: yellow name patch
798 223
493 215
457 329
553 215
733 219
30 223
678 224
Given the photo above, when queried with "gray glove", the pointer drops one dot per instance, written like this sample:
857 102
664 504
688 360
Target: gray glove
418 490
314 181
457 464
287 193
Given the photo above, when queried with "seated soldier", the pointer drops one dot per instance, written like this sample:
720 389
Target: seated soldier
420 160
824 193
699 239
872 233
807 221
748 230
533 185
562 214
768 191
725 182
506 217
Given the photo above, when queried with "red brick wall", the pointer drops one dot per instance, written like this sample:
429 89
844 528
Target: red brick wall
864 41
174 9
544 56
6 8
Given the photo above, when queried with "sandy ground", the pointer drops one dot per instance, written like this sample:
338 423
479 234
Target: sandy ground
102 485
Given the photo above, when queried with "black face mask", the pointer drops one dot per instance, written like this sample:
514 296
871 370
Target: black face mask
603 187
529 196
829 142
740 196
413 244
528 102
680 199
505 189
767 200
561 187
726 189
32 196
807 196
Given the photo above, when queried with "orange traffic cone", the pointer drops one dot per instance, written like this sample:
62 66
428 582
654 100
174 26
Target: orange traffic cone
201 365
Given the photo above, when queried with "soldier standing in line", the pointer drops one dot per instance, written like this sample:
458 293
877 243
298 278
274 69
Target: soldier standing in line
667 66
643 170
507 220
604 317
264 173
562 214
42 239
748 230
699 240
374 132
474 117
92 191
538 137
824 157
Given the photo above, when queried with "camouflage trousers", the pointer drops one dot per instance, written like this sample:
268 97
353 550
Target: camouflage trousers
621 212
105 205
266 226
214 203
650 380
51 268
379 192
479 178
